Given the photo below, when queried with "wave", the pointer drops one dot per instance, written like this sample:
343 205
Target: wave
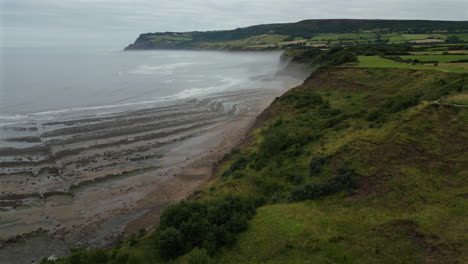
183 95
164 69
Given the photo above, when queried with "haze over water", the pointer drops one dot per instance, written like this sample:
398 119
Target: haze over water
46 84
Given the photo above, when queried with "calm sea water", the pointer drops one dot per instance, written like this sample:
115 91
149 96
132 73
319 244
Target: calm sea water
47 84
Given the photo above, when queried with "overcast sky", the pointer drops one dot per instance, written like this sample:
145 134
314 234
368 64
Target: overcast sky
116 23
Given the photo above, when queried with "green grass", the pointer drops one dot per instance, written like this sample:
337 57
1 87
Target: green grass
463 37
259 40
366 37
439 58
439 52
179 37
378 62
409 37
411 208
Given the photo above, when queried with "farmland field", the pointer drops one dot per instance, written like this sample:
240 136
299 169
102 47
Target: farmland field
439 52
439 58
378 62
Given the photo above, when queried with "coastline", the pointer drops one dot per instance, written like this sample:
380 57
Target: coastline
200 171
124 185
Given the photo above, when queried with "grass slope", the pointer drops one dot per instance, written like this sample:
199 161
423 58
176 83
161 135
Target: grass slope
411 206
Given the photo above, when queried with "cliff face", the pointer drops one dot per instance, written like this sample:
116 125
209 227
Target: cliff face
271 36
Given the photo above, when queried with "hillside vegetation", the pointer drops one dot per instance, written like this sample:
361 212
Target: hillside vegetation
326 32
362 163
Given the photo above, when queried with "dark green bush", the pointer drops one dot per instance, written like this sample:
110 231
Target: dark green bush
207 225
239 164
346 179
278 139
295 178
301 98
315 165
170 243
305 192
198 256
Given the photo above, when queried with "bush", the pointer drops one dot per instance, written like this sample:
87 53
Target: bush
207 225
295 178
305 192
239 164
315 165
268 185
237 175
346 179
198 256
170 243
279 139
301 98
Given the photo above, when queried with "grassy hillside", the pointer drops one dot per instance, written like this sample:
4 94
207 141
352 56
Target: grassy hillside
327 32
407 151
357 165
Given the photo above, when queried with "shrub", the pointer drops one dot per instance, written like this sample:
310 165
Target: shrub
170 243
237 175
305 192
239 164
207 225
226 173
268 185
295 178
315 165
302 98
346 179
198 256
279 139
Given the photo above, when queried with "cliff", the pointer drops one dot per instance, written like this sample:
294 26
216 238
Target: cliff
307 32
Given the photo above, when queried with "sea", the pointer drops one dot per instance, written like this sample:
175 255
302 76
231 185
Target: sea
47 84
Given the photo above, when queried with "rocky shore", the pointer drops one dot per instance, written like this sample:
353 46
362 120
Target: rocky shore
85 181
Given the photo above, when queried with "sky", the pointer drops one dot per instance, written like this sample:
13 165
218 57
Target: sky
117 23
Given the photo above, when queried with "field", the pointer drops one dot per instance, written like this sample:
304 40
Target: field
439 58
439 52
376 37
175 37
260 41
378 62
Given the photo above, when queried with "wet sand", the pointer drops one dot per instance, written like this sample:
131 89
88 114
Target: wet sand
86 181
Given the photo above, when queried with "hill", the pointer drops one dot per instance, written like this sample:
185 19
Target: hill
310 32
362 163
